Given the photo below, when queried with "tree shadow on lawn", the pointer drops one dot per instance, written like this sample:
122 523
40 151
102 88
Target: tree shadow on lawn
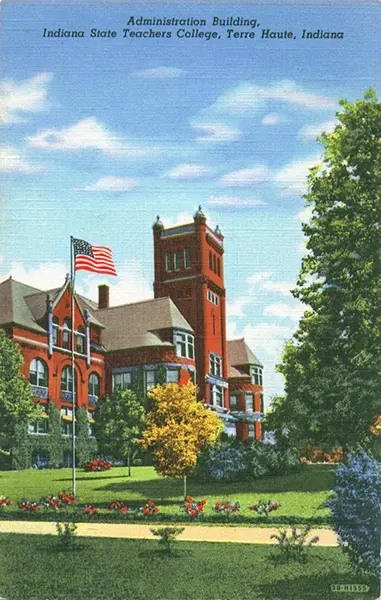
93 478
304 481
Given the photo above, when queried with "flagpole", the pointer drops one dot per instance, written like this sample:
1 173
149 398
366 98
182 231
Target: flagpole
72 282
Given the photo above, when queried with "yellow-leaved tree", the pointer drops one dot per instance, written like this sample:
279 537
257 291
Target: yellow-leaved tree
178 427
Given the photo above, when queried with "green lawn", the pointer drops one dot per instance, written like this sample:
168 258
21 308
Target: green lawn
35 567
299 494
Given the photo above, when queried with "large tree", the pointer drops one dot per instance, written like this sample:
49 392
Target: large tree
119 422
332 366
16 397
178 427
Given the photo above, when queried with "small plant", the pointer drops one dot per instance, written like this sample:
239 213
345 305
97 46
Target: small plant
167 536
99 464
29 506
4 501
227 508
294 545
66 498
67 533
265 507
148 509
192 507
119 506
89 510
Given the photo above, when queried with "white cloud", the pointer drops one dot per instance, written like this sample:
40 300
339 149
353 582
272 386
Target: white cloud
313 131
258 277
272 119
216 132
189 171
12 162
286 311
293 177
46 276
281 287
245 177
18 99
111 184
179 219
305 215
160 73
234 201
235 308
248 97
130 286
88 134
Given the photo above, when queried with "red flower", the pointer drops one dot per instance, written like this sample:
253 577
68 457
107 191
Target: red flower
226 505
193 512
155 509
146 510
203 502
188 505
218 504
150 503
275 506
189 498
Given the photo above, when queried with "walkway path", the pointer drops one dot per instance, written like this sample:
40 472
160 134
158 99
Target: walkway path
245 535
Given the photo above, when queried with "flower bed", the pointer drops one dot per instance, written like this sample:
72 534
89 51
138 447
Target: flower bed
192 507
99 464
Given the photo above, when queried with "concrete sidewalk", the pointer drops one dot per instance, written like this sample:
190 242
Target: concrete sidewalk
243 535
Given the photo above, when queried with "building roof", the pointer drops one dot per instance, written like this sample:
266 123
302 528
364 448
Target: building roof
137 325
14 308
240 354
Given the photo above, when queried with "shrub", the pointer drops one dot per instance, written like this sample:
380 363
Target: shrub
29 506
264 508
356 510
89 510
66 533
294 545
167 536
148 509
98 464
227 508
192 507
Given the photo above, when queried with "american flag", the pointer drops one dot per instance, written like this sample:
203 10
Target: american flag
93 258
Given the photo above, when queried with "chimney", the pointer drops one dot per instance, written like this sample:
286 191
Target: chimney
103 296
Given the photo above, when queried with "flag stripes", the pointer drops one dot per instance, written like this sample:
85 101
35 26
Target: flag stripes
97 259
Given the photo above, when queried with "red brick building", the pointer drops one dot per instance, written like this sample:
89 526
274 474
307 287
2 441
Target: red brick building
177 336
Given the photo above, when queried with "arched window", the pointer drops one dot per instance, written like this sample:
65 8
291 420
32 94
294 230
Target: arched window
38 373
67 380
80 337
94 385
66 334
55 331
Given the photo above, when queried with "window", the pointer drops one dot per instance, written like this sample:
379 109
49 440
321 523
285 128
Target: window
39 427
67 428
121 381
217 395
40 458
187 262
67 380
218 266
55 331
80 338
215 365
168 261
67 412
261 403
184 345
149 380
210 260
214 263
177 260
90 429
212 297
66 334
233 402
251 431
38 373
173 375
94 385
249 401
256 376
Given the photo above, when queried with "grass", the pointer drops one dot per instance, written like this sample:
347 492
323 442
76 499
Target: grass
299 494
35 567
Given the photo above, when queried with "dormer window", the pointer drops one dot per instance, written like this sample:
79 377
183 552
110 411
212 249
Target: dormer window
184 345
256 376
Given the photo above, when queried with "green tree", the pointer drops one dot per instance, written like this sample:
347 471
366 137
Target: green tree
332 366
16 399
119 423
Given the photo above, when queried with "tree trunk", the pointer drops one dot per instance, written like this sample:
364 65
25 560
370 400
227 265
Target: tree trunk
185 487
129 464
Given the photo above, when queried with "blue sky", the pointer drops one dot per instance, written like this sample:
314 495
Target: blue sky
101 135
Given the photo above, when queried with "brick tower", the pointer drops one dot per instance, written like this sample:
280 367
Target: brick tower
189 268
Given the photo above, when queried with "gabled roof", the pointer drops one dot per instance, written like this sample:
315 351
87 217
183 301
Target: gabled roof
240 354
13 306
137 325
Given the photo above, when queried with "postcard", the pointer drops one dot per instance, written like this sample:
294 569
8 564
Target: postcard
156 158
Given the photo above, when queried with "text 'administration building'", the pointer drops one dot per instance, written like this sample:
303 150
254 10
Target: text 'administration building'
178 335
